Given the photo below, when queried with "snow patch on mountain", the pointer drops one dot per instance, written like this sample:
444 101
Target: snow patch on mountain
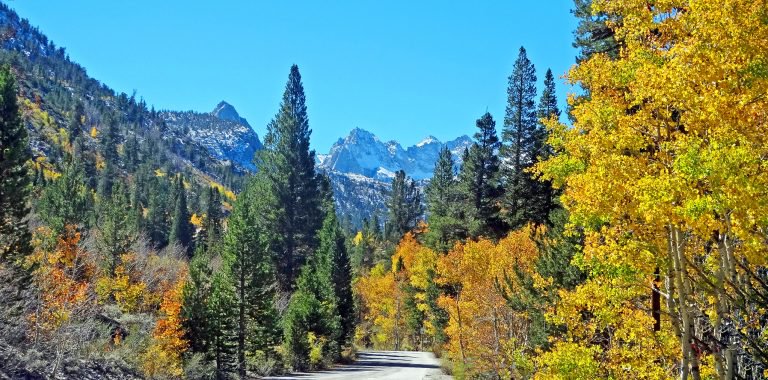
225 134
361 152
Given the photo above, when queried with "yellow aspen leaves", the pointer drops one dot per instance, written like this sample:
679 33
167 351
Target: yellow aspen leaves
664 167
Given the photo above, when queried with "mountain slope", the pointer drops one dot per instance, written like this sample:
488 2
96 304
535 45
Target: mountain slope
226 135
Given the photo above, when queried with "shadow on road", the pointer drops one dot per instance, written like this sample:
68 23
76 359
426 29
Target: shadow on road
373 365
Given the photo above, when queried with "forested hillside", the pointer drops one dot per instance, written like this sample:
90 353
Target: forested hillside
629 243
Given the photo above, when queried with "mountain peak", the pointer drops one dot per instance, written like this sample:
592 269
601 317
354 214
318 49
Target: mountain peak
359 134
226 111
428 140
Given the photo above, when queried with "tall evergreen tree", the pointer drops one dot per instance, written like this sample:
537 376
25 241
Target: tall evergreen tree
212 229
222 323
181 228
75 122
196 301
542 200
109 140
157 211
404 203
14 231
253 276
312 309
444 226
520 139
478 183
287 167
593 35
333 247
116 233
14 175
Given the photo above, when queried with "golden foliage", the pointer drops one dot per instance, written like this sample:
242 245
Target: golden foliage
64 278
664 167
197 220
486 335
164 357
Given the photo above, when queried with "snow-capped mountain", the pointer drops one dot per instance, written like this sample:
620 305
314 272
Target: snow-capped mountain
361 168
362 153
225 134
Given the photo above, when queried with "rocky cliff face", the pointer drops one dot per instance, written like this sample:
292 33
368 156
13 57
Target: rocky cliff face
225 134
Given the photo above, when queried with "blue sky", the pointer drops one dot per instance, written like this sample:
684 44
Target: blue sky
401 69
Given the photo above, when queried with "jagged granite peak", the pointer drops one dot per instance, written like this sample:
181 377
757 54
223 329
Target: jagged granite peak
428 141
362 153
226 111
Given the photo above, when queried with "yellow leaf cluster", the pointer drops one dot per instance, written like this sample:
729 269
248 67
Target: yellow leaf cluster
665 169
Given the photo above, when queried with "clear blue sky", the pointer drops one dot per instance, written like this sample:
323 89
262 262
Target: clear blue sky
401 69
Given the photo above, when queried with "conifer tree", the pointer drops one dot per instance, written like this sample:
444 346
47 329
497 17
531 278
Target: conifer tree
195 307
109 140
212 229
14 175
116 232
287 168
543 200
65 201
312 310
333 246
593 35
253 279
520 139
75 123
478 183
444 227
222 324
404 205
181 228
157 211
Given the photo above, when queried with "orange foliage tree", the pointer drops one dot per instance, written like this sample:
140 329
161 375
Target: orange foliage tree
163 359
63 276
486 335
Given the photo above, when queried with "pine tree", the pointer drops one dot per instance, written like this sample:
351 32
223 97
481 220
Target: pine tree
116 233
157 211
65 201
312 311
212 229
404 205
195 307
333 247
109 140
520 139
444 227
181 228
478 183
75 123
287 168
131 149
222 323
14 175
253 277
543 197
593 35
